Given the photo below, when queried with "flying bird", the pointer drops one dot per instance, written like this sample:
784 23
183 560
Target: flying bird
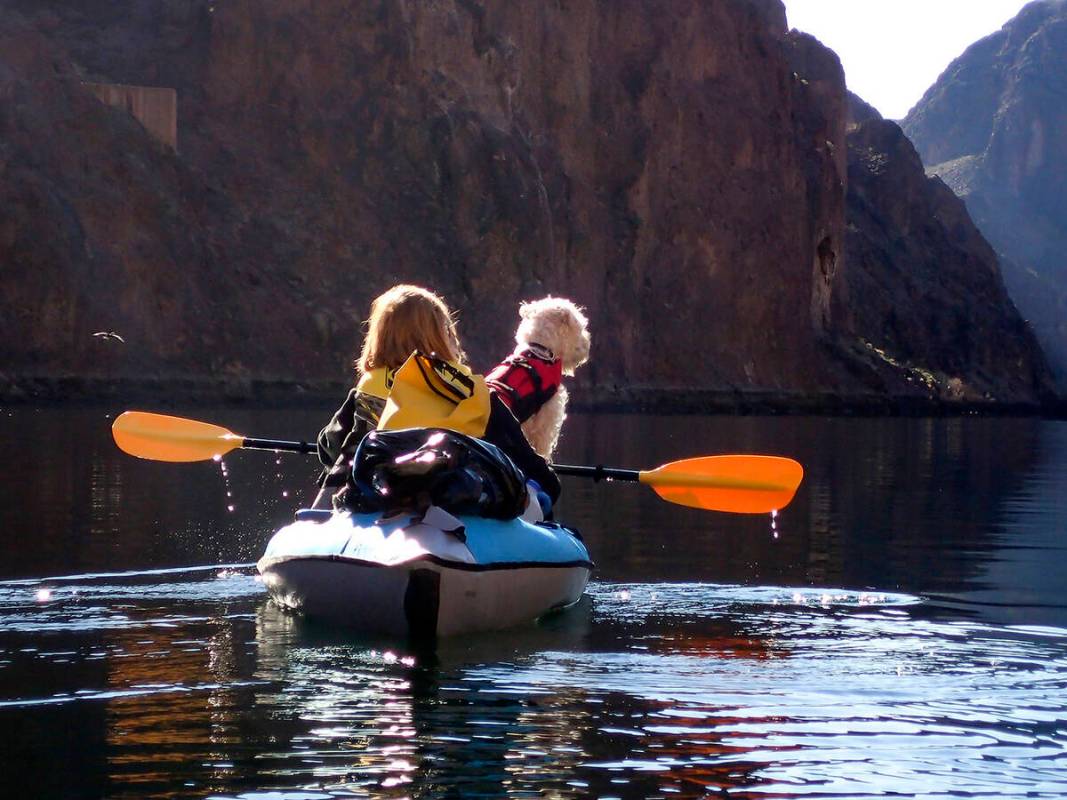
109 335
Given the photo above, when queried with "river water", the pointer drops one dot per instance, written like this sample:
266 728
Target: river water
899 630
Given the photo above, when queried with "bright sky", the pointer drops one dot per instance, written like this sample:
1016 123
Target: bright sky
893 50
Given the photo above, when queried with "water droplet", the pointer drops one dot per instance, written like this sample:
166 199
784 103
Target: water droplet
217 458
43 595
225 480
285 493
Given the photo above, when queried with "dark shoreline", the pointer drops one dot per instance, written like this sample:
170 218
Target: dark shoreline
163 393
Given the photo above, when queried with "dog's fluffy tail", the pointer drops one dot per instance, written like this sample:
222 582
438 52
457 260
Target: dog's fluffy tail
543 428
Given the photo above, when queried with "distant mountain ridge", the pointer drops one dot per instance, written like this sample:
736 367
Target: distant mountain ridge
993 128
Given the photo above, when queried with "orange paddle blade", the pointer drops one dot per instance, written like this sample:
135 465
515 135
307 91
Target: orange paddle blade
740 484
164 438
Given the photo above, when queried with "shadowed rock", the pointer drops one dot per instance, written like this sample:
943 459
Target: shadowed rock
913 253
992 127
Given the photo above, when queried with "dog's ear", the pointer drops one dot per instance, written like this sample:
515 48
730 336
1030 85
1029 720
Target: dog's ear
528 316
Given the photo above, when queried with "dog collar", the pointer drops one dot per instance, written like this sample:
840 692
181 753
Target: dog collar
542 352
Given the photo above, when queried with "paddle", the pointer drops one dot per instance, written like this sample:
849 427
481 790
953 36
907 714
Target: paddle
741 484
160 437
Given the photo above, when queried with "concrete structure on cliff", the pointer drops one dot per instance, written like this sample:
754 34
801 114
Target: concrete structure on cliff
156 108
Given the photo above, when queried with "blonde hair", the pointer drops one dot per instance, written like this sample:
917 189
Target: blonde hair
404 319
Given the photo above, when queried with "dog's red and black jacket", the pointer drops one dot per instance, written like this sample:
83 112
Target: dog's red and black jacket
527 379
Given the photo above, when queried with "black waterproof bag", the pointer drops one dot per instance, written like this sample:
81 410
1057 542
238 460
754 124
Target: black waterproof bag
414 468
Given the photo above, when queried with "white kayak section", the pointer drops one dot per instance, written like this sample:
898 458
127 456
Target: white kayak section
432 575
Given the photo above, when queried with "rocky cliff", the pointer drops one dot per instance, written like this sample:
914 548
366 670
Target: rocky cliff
677 166
913 252
993 128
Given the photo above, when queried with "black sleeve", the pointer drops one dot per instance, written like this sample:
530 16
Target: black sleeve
505 432
338 441
332 437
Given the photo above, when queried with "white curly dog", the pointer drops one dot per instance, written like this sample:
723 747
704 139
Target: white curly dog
552 341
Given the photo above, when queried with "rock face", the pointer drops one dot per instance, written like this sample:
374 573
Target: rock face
913 251
677 166
993 128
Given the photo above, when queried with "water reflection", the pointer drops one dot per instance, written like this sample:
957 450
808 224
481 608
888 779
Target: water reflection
385 714
190 710
206 688
879 498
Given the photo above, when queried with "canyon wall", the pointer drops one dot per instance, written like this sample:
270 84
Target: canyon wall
913 252
677 166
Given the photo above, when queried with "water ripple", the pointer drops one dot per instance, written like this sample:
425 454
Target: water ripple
95 602
643 689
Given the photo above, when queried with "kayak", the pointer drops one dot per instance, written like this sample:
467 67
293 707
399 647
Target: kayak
428 575
434 573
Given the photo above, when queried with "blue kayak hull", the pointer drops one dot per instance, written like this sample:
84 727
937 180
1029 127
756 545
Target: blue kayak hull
437 576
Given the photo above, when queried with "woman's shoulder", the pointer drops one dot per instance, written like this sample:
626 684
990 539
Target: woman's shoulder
376 382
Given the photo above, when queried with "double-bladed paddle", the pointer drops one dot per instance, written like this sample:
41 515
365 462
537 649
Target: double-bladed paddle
741 484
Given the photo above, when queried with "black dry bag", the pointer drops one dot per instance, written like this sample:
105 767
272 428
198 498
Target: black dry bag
414 468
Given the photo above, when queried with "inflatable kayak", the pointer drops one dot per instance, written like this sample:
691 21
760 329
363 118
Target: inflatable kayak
434 575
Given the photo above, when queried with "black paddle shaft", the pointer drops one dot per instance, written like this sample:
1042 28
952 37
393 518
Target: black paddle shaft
278 444
598 473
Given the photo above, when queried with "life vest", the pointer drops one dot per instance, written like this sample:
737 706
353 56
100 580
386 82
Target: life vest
526 380
377 382
371 391
428 392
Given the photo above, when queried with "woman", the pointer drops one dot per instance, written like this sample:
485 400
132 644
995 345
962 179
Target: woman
403 320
